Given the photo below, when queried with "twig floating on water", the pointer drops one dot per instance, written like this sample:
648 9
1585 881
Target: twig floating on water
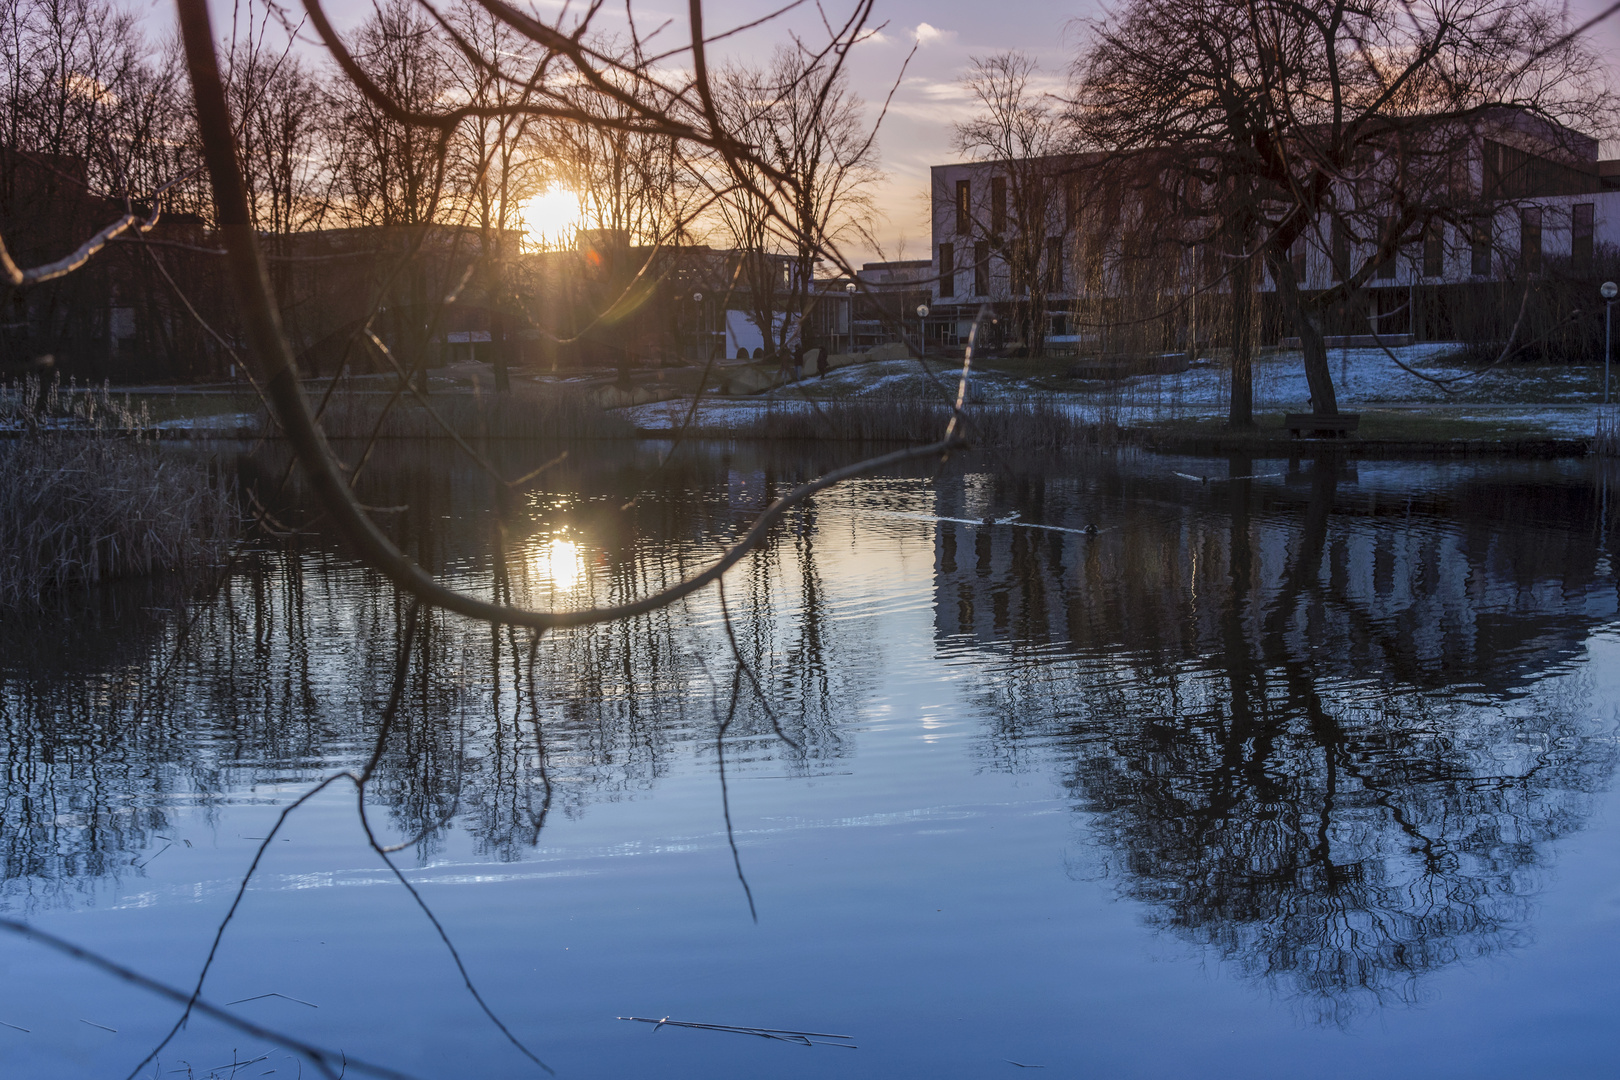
1219 479
233 1066
103 1027
801 1038
1021 1065
148 862
285 997
14 1027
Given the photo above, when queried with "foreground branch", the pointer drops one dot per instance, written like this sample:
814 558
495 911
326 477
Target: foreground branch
268 348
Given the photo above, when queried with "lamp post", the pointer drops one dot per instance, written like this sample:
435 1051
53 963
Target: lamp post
1609 290
922 330
698 336
849 317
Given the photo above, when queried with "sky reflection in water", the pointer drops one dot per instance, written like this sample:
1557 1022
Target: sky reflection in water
1308 773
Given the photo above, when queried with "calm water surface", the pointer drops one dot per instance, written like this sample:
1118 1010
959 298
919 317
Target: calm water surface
1309 773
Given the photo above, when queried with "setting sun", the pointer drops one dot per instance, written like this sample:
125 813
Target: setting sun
551 218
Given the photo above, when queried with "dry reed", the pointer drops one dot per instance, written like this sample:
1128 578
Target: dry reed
551 416
1607 440
1034 424
84 497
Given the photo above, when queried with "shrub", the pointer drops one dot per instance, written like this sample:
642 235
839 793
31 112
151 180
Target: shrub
84 497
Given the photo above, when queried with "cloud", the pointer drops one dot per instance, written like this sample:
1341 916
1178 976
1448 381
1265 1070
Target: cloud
927 35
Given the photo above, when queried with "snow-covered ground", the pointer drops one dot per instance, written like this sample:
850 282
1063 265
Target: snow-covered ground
221 422
1559 401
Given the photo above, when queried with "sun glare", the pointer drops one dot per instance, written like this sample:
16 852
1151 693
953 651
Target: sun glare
551 218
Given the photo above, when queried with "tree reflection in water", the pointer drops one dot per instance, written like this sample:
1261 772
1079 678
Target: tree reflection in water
1306 725
1306 717
164 693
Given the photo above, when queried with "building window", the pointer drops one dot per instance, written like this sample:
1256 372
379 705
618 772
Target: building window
1296 260
1434 251
1341 250
1530 239
1580 237
1054 264
981 268
947 270
1071 203
998 204
1386 265
964 207
1480 248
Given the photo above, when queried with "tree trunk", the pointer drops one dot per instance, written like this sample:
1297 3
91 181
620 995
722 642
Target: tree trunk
497 348
1241 414
1317 376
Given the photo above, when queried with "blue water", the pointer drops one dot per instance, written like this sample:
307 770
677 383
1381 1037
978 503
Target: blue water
1309 774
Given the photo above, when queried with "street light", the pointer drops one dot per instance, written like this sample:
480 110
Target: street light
849 316
1609 290
922 329
698 337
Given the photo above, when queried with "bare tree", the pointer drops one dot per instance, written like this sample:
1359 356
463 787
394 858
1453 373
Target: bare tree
804 190
93 124
628 182
1017 133
393 172
500 156
1328 124
635 195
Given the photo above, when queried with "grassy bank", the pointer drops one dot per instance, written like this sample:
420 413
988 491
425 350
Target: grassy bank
552 415
1417 432
82 501
1036 424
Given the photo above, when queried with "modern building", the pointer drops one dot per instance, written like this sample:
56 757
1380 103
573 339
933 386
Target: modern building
1540 203
857 314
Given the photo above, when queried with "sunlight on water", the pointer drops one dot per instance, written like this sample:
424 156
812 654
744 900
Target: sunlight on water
560 564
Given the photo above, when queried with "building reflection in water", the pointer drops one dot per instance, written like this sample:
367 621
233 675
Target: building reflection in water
1308 717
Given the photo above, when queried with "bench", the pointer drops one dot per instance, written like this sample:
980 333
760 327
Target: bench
1338 426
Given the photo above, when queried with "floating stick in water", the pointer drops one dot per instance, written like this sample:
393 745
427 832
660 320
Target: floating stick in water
285 997
802 1038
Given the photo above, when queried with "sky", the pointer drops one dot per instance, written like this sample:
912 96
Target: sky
917 131
929 99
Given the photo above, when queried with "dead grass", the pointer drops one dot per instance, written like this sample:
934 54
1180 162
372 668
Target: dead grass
1036 424
559 415
1607 440
1442 431
85 498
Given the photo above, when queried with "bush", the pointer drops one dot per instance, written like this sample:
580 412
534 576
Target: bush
85 498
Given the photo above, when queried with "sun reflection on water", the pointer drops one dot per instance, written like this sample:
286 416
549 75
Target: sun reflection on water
559 562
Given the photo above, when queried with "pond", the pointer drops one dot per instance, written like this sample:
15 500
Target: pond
1120 765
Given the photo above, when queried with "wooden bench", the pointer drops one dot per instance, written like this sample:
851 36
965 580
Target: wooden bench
1338 426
